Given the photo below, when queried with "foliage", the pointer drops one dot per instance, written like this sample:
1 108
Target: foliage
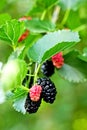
39 26
53 44
44 40
74 5
11 31
74 67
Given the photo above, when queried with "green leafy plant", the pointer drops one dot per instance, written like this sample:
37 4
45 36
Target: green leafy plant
44 39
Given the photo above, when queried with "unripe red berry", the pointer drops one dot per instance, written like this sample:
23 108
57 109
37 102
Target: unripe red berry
58 60
25 18
35 92
23 36
26 33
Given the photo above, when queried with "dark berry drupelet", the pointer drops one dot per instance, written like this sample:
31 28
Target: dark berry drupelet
48 89
47 68
32 106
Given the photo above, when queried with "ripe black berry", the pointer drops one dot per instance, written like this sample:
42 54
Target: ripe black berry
48 89
32 106
47 68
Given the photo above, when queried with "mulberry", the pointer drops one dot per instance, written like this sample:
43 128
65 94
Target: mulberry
32 106
47 68
35 92
48 89
58 60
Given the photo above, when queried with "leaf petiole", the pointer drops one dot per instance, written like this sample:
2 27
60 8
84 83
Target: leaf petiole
43 14
65 17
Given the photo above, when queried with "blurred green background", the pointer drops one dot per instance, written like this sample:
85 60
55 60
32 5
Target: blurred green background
69 112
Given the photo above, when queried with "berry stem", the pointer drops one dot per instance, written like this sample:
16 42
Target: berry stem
25 88
13 47
36 72
31 75
43 15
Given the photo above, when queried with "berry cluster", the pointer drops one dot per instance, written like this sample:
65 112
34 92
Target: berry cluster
44 89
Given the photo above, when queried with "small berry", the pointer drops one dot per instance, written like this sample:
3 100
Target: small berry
32 106
24 36
35 92
58 60
25 18
48 89
26 33
47 68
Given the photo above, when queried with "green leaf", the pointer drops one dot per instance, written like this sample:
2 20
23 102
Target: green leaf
71 4
50 3
4 17
51 44
73 16
19 104
17 93
39 26
17 53
41 5
13 73
11 31
31 40
84 55
74 70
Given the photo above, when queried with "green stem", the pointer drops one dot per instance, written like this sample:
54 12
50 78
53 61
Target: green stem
43 14
30 63
36 72
25 88
65 17
31 75
80 28
13 47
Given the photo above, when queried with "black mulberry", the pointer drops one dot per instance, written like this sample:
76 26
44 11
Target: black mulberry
47 68
48 89
32 106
